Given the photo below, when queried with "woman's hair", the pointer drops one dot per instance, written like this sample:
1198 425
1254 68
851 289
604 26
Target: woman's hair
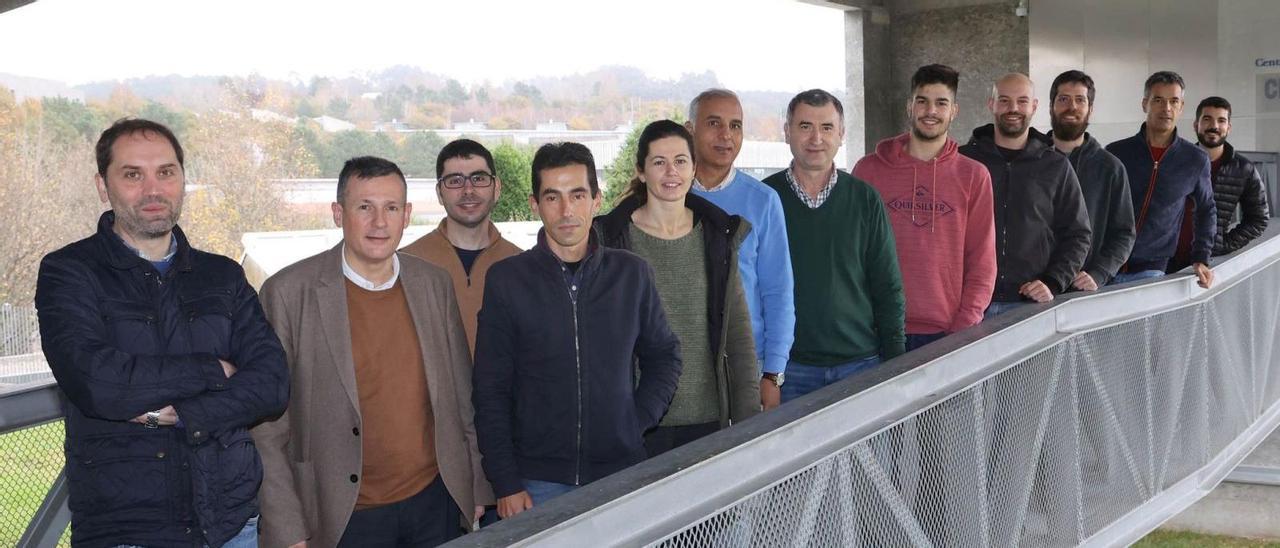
660 129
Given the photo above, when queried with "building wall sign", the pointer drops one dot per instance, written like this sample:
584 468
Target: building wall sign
1269 92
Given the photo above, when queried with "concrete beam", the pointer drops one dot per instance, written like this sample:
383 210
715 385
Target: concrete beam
6 5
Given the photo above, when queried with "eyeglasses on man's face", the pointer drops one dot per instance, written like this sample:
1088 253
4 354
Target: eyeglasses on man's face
478 179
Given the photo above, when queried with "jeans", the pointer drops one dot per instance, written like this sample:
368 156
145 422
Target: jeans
1126 277
543 491
246 538
998 308
429 518
918 340
803 379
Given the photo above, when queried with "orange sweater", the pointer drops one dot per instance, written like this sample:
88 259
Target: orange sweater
397 435
436 249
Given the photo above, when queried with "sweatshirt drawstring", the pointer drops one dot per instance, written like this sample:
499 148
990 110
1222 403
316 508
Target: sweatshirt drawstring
914 179
933 209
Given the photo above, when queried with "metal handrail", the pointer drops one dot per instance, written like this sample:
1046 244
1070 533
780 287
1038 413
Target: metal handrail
646 502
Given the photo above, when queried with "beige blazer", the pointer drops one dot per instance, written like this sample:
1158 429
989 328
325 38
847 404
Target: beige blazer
312 453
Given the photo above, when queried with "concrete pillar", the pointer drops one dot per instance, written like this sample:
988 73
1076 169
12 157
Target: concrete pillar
887 41
868 109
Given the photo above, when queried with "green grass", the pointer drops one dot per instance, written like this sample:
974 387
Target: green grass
1183 539
30 459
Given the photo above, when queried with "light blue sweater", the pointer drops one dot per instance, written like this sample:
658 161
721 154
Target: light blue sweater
765 263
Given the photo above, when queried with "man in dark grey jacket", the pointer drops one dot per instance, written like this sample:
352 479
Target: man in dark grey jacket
1235 180
1042 227
1102 179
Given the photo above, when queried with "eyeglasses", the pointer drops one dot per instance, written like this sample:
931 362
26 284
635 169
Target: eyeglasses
478 179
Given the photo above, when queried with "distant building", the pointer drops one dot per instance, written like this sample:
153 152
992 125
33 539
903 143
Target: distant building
263 115
333 125
551 125
470 125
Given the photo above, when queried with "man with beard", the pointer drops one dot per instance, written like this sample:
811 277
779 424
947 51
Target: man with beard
940 206
1102 179
1042 227
165 358
466 243
764 259
1235 180
1164 172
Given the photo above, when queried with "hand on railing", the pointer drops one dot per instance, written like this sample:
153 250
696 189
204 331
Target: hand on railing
1204 273
511 505
1036 291
1084 282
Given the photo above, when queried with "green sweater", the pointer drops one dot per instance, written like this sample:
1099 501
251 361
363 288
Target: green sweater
680 272
848 290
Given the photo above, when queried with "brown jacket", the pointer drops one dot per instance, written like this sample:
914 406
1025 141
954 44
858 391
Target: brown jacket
436 249
312 453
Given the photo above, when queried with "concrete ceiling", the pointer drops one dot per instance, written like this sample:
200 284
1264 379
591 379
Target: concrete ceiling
6 5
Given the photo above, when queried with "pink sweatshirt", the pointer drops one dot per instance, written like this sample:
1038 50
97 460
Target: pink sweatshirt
944 228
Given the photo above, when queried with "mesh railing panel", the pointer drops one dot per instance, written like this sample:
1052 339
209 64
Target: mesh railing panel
1047 452
30 460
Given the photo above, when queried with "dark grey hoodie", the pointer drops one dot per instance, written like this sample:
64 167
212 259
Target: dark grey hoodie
1106 194
1042 227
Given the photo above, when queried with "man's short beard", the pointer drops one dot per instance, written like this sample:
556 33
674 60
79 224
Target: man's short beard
1222 140
1068 132
1010 131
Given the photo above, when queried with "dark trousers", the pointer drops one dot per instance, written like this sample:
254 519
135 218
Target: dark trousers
665 438
921 339
429 518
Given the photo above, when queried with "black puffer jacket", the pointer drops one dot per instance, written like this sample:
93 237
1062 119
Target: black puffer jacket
1236 181
1042 224
122 339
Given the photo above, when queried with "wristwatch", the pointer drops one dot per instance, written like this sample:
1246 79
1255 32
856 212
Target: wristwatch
153 419
776 378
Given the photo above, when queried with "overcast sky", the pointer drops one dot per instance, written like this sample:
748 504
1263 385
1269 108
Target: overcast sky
780 45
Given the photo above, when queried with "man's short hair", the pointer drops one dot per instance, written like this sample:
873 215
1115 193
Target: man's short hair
366 167
463 148
1215 102
713 93
553 155
936 74
1163 77
814 98
1072 77
129 126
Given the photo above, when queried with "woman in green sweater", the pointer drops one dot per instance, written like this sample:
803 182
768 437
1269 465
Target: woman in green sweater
693 248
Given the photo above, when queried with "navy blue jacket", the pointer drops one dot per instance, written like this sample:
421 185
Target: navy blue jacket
122 339
556 396
1183 173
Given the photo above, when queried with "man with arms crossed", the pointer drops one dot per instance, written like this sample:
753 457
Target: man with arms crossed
377 449
763 258
563 329
165 358
939 203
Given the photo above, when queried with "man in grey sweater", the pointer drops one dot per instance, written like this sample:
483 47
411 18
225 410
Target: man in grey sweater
1102 180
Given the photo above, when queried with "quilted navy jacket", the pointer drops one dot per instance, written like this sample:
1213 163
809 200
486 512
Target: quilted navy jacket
122 339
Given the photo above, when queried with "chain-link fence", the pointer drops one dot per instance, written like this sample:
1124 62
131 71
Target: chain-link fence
30 460
1047 452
